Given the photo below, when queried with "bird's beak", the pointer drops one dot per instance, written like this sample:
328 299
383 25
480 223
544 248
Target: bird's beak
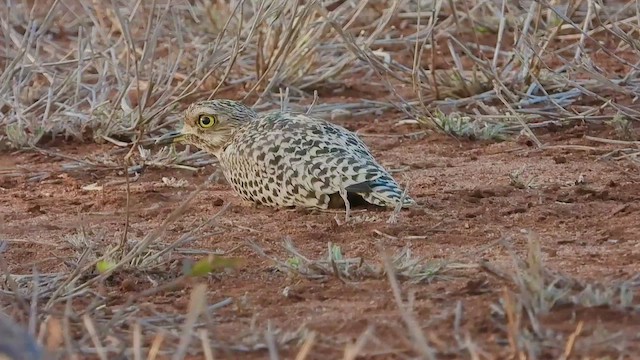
170 137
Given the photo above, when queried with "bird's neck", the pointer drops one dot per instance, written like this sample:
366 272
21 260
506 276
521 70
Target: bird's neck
218 152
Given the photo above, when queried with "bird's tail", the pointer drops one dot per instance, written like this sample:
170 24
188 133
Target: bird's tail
384 191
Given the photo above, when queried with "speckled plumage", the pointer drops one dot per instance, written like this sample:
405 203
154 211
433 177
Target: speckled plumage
285 159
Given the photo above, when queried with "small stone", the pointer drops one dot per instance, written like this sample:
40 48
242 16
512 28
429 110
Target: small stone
559 159
128 285
218 202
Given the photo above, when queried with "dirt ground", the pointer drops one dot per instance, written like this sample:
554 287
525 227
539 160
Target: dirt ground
585 211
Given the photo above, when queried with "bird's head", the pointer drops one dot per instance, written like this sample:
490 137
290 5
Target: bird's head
210 124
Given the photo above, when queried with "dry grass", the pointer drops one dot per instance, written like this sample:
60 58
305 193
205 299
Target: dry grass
336 264
119 72
537 292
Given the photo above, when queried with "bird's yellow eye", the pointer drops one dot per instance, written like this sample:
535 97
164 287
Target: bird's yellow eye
206 121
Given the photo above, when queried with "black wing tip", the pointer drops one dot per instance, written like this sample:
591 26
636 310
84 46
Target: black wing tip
363 187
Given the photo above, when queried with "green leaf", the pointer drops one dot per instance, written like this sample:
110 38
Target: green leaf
294 262
336 252
212 263
104 265
483 30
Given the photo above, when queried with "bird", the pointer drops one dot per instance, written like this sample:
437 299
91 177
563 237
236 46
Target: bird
288 159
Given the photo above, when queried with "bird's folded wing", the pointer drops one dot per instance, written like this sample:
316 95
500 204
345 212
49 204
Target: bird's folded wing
331 173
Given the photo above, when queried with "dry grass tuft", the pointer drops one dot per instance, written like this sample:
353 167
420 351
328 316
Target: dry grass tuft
536 295
336 264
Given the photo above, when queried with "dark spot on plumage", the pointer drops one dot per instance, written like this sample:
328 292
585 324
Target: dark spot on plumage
301 152
316 166
271 118
316 142
280 176
362 187
323 172
370 176
275 161
323 199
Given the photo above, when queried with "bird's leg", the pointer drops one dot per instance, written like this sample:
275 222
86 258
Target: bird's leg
347 206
